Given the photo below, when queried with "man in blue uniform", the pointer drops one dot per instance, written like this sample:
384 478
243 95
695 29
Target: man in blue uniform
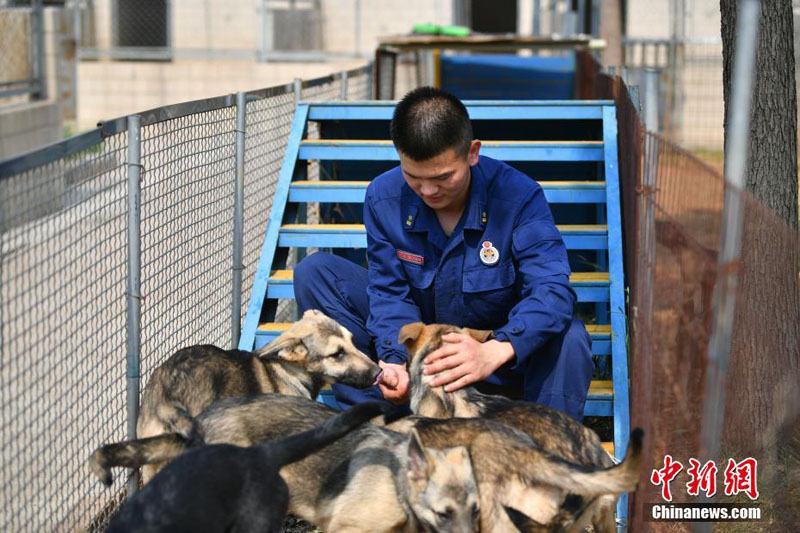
457 238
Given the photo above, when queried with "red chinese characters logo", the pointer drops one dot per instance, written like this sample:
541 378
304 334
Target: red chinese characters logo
741 477
701 478
665 475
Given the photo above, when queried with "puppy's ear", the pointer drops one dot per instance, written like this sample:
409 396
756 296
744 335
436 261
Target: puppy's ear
419 462
286 347
311 313
410 333
480 335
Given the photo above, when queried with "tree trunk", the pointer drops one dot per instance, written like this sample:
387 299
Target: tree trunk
765 356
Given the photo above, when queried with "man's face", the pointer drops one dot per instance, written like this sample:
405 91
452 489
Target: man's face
443 180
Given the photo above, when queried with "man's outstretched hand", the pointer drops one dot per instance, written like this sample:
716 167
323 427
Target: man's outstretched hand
462 360
394 383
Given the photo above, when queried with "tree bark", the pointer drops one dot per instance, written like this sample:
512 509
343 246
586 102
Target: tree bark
772 164
765 357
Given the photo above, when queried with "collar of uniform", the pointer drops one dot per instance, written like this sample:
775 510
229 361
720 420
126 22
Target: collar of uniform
417 217
477 216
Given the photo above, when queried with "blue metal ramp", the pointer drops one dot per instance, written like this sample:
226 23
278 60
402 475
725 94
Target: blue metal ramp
577 168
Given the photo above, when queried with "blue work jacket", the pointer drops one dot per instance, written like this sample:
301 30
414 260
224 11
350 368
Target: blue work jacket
417 273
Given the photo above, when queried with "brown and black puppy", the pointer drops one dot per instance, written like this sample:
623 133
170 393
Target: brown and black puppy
513 472
420 481
372 479
552 431
313 352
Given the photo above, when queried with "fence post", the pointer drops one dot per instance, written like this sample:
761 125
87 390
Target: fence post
134 281
719 346
343 88
732 212
38 56
373 81
298 91
238 221
651 99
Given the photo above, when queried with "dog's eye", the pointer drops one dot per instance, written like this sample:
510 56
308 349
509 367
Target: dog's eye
337 354
476 512
447 514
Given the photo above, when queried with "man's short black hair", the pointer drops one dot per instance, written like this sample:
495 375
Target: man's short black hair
429 121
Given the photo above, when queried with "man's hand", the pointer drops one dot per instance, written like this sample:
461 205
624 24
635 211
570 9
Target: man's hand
462 360
394 383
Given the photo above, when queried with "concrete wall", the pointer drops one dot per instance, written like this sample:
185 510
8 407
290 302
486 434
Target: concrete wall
232 29
652 19
378 18
110 89
235 25
24 127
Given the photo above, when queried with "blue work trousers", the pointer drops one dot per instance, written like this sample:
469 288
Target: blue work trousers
558 374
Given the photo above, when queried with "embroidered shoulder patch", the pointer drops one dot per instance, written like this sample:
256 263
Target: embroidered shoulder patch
411 258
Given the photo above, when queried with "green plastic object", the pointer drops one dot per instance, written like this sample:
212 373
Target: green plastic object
455 31
428 29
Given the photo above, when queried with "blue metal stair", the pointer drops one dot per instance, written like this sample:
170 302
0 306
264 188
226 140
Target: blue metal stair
579 177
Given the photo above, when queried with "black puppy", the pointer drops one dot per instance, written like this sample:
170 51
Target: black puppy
228 488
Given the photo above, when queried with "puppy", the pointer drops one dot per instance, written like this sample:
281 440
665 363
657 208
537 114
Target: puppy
552 431
227 488
313 352
372 479
512 471
423 481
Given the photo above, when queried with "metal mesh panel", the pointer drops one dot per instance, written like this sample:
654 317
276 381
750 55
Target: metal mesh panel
677 272
269 122
16 70
359 87
691 106
187 233
63 296
673 204
62 307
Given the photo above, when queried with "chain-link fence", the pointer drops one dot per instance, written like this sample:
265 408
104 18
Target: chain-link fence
691 106
64 270
22 45
673 219
680 217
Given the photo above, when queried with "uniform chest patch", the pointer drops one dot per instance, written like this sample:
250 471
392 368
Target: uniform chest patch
489 254
410 258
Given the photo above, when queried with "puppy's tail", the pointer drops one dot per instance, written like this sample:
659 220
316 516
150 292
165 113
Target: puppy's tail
585 480
175 417
135 453
298 446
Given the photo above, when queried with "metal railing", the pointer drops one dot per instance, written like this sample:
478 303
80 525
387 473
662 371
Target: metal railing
119 246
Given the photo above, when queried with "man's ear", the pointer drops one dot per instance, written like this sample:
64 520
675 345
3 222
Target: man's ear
410 333
474 152
480 335
286 347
